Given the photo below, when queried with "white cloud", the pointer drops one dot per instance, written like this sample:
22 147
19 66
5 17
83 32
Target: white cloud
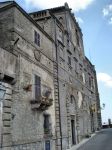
105 78
110 21
76 5
79 20
110 7
107 12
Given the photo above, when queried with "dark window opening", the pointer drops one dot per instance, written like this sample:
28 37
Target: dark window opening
89 82
68 42
37 38
69 60
77 37
46 124
37 87
72 99
73 132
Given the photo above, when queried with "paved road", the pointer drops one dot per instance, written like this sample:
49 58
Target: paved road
101 141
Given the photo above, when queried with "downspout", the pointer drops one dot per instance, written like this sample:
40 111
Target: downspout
58 84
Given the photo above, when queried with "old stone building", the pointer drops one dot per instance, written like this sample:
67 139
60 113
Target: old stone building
50 99
78 93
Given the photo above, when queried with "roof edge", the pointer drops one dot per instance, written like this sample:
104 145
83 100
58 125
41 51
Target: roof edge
14 4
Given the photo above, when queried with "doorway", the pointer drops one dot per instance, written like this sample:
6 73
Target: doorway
73 132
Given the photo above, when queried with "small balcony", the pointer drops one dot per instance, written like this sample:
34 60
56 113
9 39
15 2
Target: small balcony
41 103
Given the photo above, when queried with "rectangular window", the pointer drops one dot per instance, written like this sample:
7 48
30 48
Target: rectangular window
90 82
73 132
46 124
37 38
60 34
77 37
68 42
61 52
37 87
47 145
69 60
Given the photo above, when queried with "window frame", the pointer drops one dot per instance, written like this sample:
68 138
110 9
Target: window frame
69 60
38 94
46 123
49 144
37 38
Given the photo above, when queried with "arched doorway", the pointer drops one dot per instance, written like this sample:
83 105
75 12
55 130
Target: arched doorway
73 121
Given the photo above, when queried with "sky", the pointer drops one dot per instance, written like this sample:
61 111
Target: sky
95 20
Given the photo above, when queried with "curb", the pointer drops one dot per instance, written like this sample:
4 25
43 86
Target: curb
83 142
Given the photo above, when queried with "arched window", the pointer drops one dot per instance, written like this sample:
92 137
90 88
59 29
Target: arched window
72 99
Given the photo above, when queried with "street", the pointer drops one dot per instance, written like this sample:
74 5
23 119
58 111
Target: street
101 141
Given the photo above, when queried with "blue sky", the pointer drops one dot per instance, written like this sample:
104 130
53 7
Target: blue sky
95 19
97 33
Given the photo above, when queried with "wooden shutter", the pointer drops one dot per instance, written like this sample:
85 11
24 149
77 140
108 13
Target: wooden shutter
37 87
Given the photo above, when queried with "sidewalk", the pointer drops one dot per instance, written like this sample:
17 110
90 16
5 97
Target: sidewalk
82 142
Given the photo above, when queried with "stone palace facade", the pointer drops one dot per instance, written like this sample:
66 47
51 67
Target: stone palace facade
51 99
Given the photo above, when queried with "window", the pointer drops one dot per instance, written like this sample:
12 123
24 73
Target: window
60 34
77 38
83 75
46 124
72 99
37 38
89 81
61 52
93 83
73 132
37 87
69 60
47 145
68 42
61 20
76 65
